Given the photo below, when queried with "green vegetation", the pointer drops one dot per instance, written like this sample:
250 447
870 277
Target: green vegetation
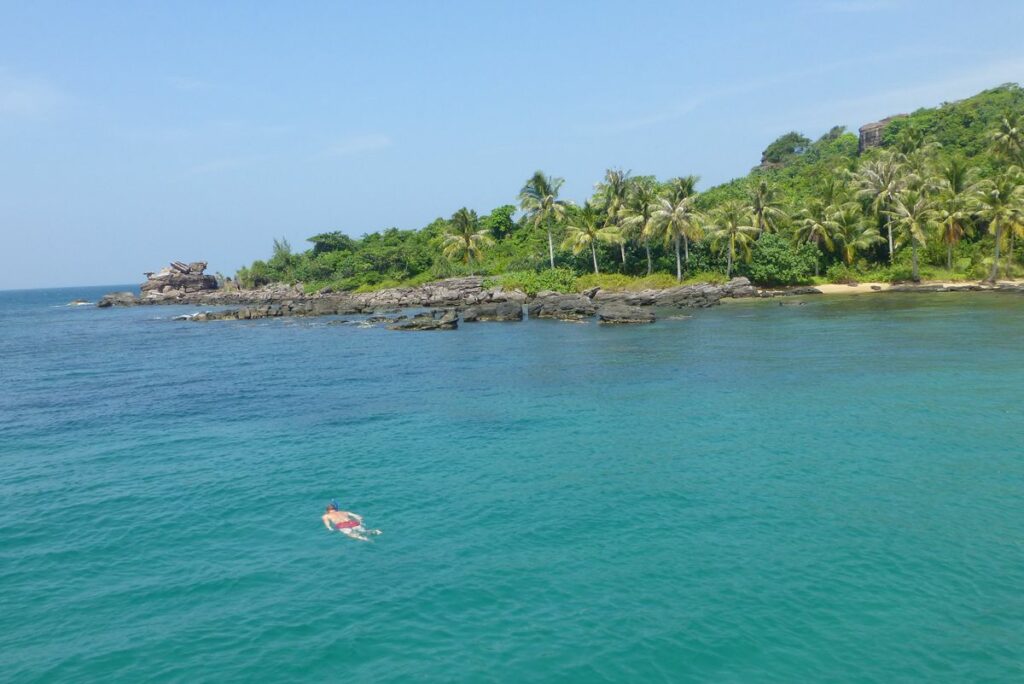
942 197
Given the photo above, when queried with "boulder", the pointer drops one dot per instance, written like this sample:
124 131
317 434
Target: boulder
698 296
496 311
641 298
615 313
565 307
916 288
118 299
739 287
431 320
801 291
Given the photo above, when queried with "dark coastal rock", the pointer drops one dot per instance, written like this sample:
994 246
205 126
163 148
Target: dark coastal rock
698 296
118 299
739 287
615 313
431 320
640 298
498 311
565 307
801 291
916 288
377 320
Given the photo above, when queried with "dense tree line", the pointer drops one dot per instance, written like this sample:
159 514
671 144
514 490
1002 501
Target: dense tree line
943 197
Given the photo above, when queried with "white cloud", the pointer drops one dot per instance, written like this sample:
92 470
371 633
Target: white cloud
358 144
27 97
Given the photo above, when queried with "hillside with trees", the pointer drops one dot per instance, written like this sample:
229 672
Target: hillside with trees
942 197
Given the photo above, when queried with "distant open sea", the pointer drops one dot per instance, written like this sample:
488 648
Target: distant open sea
829 492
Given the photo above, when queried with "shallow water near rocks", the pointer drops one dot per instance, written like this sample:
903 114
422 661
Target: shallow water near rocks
758 493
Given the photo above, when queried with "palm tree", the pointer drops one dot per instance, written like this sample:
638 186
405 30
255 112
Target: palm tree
767 207
1001 204
539 198
846 228
877 183
732 229
813 226
611 197
1008 138
957 202
465 241
584 231
636 214
914 214
675 217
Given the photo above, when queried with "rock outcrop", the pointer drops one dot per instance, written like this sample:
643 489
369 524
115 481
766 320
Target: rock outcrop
495 311
177 281
430 320
118 299
871 133
564 307
616 313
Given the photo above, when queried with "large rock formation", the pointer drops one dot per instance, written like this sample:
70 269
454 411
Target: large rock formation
118 299
495 311
617 313
565 307
430 320
176 282
871 133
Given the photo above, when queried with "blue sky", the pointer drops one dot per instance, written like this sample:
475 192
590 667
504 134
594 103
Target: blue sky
137 133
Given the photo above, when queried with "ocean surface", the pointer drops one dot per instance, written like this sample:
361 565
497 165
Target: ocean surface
829 492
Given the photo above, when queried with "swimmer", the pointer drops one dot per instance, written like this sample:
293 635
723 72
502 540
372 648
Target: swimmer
348 523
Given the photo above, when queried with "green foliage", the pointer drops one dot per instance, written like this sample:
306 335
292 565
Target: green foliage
332 242
619 281
785 148
774 261
532 282
821 191
499 222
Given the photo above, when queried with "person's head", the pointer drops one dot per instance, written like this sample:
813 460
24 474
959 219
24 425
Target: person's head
331 507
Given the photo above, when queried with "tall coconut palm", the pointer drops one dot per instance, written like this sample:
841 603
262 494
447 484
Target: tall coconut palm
877 182
1001 204
636 214
584 232
1008 138
956 203
539 199
913 214
847 229
732 231
676 219
611 197
813 226
766 206
464 240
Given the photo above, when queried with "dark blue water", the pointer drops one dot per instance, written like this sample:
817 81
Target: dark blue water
760 493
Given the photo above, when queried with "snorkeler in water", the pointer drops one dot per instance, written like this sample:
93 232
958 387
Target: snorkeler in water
348 523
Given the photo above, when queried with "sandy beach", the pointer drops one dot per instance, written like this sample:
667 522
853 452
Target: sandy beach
869 288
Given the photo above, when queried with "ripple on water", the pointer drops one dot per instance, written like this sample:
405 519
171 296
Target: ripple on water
755 494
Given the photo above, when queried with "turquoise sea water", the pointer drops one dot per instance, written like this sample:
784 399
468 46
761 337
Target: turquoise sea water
829 492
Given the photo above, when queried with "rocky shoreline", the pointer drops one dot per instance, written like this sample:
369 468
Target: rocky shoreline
453 298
